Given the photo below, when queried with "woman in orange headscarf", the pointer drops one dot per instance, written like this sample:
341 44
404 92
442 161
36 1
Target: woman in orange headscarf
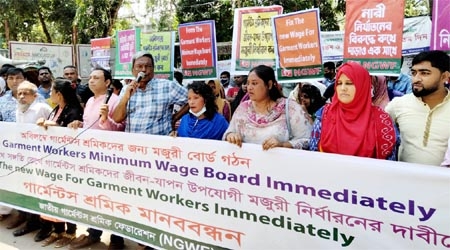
223 105
351 124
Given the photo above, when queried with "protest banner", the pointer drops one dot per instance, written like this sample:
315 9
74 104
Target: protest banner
223 65
297 45
128 42
332 46
101 53
56 56
252 35
440 32
416 35
162 47
198 50
373 37
161 191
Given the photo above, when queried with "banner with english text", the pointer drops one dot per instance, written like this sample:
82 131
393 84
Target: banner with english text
162 47
440 32
373 36
297 45
182 193
198 49
253 43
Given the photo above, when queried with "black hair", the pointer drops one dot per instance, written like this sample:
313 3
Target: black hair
178 76
45 68
70 67
205 91
69 94
438 59
329 65
267 74
15 71
106 73
316 100
226 73
5 68
117 84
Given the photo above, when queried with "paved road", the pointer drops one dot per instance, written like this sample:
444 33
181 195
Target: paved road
26 242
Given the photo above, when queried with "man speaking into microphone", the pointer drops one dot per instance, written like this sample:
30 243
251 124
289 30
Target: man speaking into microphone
146 104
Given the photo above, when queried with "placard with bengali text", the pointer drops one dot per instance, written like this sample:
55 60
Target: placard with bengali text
373 37
162 47
183 193
253 43
440 32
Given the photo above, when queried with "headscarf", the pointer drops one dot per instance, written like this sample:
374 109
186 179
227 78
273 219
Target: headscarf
380 93
357 128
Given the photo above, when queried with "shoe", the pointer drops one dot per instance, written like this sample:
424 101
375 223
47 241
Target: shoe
17 221
116 246
83 241
4 216
52 238
42 235
24 230
65 240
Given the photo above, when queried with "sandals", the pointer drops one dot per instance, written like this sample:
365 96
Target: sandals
65 240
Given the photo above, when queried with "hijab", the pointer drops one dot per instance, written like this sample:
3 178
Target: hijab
380 92
221 103
357 128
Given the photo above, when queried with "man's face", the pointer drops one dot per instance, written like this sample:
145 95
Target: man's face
44 76
328 73
426 79
25 96
97 83
238 80
144 64
71 74
13 81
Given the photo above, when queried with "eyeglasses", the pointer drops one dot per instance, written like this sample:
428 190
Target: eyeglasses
140 66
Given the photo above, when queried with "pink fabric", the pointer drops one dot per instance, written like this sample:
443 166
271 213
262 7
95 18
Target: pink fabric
92 113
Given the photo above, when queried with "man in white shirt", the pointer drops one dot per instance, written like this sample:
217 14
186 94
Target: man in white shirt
423 117
28 110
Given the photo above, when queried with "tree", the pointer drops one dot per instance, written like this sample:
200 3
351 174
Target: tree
55 21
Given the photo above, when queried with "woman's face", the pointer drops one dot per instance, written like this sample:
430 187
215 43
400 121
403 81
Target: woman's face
55 96
345 89
305 100
195 101
244 86
212 84
256 88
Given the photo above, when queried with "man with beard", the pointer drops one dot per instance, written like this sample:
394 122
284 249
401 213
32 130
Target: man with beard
45 78
423 117
29 111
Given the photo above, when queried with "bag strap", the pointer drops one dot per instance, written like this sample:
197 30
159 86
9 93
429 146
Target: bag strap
287 117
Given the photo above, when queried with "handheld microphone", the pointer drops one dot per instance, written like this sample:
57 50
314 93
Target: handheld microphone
108 95
139 77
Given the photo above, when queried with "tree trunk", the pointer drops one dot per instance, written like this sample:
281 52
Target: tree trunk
44 25
113 12
6 24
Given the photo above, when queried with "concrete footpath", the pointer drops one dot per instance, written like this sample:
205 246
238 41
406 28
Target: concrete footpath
26 242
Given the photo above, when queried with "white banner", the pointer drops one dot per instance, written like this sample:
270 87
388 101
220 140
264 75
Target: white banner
416 35
181 193
332 45
56 56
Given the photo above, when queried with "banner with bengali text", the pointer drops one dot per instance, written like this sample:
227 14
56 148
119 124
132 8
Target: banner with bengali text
297 45
162 191
101 52
253 43
332 45
162 47
198 49
440 32
416 35
128 42
373 37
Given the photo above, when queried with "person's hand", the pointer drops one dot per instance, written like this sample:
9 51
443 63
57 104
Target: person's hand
104 110
40 121
75 124
271 142
131 89
234 138
173 133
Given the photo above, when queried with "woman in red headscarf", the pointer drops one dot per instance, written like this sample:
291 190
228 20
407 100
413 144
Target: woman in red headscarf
351 124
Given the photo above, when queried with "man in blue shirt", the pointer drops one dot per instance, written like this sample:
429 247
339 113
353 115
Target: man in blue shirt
399 85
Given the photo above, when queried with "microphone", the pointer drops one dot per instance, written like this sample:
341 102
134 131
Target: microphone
108 95
139 77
